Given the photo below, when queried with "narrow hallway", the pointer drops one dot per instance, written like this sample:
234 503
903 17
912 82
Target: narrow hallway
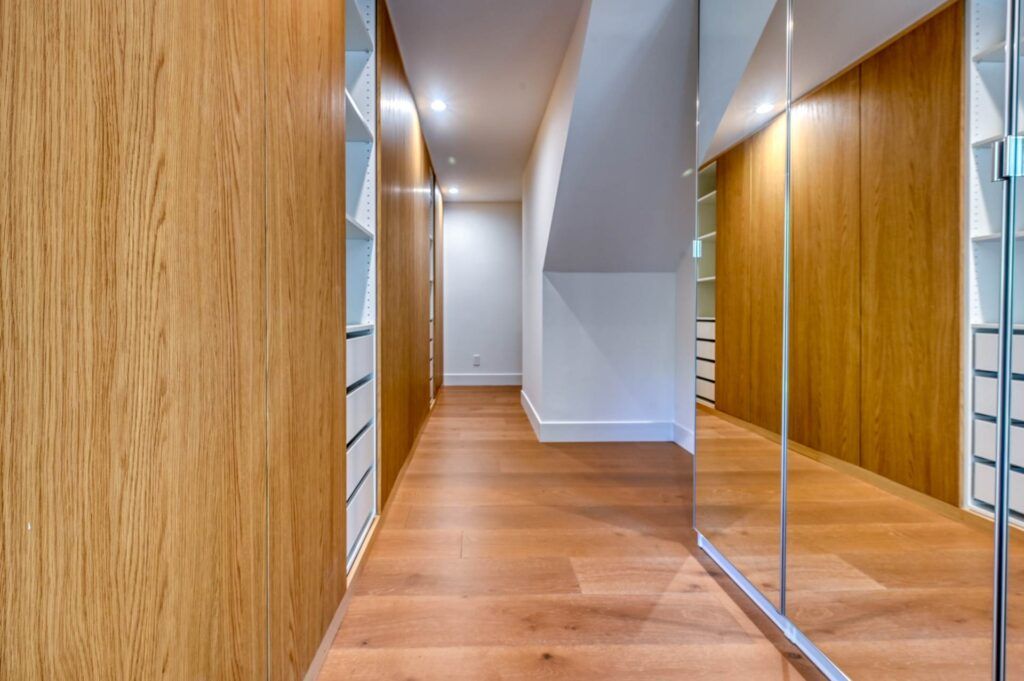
504 558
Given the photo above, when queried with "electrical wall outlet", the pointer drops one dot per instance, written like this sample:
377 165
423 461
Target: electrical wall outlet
476 360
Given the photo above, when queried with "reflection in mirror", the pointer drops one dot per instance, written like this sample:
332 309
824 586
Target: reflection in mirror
886 572
742 154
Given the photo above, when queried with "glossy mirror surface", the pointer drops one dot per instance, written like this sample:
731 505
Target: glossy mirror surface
740 226
885 572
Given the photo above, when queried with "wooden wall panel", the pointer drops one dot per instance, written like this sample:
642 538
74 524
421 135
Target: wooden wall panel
132 340
824 379
767 157
732 294
910 257
438 289
403 260
306 373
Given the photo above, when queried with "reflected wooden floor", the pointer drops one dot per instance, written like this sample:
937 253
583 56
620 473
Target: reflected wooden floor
502 558
887 586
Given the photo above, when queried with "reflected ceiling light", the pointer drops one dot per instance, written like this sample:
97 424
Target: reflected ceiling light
764 108
438 105
453 190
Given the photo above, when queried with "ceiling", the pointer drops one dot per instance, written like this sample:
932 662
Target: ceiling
494 63
743 55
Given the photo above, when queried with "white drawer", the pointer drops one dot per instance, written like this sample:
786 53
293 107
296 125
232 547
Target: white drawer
986 351
358 358
358 512
706 330
986 392
985 442
985 486
705 369
706 349
706 390
359 459
359 409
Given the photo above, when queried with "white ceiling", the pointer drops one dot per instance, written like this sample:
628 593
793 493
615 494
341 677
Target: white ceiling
494 63
828 36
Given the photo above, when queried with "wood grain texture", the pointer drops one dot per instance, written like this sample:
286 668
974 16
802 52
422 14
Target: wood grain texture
132 401
306 303
403 260
911 134
765 273
542 588
438 288
824 380
732 293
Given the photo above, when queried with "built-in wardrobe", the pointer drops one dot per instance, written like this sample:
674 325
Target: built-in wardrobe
204 235
855 199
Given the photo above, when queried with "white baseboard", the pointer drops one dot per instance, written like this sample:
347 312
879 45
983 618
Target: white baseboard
596 431
483 379
683 437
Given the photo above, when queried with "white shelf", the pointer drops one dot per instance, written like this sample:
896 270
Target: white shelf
710 236
356 127
996 54
993 238
987 142
357 328
709 197
357 37
704 280
356 230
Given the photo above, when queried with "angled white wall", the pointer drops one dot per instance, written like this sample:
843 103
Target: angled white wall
607 222
483 289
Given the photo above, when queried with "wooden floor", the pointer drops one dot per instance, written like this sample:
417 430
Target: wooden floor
886 585
502 558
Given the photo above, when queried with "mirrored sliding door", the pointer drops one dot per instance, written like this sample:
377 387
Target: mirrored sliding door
740 234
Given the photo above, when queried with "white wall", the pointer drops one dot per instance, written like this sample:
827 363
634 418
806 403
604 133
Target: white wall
685 351
540 186
483 293
609 357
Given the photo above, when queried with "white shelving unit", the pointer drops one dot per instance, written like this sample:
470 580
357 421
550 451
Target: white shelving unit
707 230
985 73
361 273
436 196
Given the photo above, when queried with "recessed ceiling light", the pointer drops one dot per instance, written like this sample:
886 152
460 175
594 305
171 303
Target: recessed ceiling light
764 108
438 105
453 190
451 160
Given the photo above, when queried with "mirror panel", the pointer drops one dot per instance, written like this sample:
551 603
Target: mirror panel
740 221
886 572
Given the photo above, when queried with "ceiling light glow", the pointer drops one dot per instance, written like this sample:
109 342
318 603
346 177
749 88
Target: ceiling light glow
764 108
453 190
438 105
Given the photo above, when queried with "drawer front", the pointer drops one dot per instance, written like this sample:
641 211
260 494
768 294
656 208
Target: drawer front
705 369
359 409
358 358
706 390
985 442
985 486
359 459
706 349
358 512
706 330
986 351
985 395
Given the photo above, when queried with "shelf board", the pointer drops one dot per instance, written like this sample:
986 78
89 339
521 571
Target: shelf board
987 142
710 236
996 54
356 230
356 127
703 280
993 238
357 37
709 197
705 319
356 328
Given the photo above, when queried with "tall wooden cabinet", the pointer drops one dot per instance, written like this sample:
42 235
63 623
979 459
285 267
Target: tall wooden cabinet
876 287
